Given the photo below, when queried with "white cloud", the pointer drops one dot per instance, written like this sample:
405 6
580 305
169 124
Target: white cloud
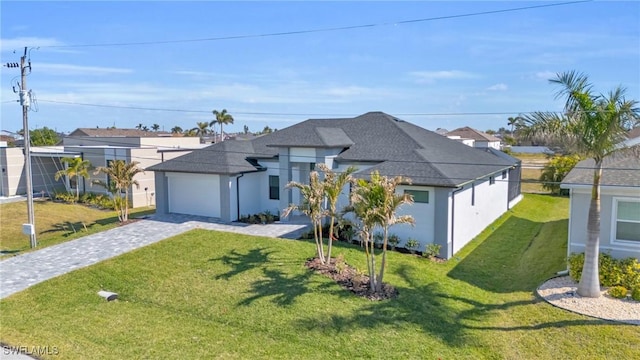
498 87
432 76
18 44
70 69
545 75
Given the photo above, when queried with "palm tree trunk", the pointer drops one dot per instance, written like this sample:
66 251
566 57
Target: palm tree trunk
372 275
330 244
221 133
589 285
320 241
77 189
384 259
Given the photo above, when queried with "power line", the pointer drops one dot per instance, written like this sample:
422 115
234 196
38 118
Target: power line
281 113
320 30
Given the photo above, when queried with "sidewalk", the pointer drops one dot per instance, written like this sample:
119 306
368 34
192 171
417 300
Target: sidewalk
23 271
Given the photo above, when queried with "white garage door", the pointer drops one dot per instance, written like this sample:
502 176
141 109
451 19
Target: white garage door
194 194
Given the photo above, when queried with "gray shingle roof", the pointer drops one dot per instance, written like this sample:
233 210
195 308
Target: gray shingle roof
470 133
622 169
398 148
96 132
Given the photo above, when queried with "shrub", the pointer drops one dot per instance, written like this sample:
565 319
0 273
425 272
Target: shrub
635 294
613 272
412 245
378 239
618 292
555 170
393 241
575 262
431 250
67 197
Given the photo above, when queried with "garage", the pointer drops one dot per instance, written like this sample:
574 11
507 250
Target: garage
194 194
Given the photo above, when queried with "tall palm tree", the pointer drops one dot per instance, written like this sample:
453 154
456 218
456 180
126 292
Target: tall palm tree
120 175
312 195
333 184
592 125
222 117
74 167
176 130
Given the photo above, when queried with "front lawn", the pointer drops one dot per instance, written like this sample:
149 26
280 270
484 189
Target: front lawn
55 223
219 295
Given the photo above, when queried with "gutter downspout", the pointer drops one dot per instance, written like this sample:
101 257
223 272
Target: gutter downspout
453 212
84 181
238 194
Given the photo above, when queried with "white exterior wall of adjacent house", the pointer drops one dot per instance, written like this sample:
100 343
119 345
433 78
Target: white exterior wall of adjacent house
610 197
45 162
486 144
476 207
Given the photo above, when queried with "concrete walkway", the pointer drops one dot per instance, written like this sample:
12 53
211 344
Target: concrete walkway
22 271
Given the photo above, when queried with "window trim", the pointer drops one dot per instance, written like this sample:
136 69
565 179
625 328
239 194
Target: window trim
614 221
277 196
408 191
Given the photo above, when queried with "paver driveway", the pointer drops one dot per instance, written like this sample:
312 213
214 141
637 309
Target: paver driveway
22 271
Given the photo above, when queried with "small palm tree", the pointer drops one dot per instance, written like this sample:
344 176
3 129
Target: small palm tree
313 196
333 184
176 130
375 203
74 167
592 125
155 127
222 117
121 178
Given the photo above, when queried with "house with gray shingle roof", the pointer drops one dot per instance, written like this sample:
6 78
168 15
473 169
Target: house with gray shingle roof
475 138
619 204
459 190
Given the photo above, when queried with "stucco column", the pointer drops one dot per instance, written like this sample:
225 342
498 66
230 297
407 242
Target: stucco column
284 178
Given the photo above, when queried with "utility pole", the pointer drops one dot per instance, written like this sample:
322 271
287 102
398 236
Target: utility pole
25 100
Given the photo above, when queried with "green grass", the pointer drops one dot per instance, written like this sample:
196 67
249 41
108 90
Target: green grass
55 223
219 295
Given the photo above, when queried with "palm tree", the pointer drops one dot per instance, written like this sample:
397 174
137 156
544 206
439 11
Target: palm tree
176 130
333 184
120 177
592 125
375 203
155 127
201 129
74 167
139 126
222 117
313 196
190 132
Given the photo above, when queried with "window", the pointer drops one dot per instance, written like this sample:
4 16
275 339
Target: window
274 187
627 220
492 180
419 196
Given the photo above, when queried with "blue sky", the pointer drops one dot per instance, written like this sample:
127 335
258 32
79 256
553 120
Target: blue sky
432 73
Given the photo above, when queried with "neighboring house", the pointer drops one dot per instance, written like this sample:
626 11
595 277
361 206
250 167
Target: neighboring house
474 138
45 162
458 190
619 204
100 147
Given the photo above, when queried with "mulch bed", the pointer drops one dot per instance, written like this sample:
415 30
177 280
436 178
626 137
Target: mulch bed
349 278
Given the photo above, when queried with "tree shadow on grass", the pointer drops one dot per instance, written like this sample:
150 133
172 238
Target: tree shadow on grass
281 288
240 263
69 228
448 318
517 256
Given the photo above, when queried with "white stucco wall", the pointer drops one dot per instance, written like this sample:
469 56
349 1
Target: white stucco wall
470 220
422 213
